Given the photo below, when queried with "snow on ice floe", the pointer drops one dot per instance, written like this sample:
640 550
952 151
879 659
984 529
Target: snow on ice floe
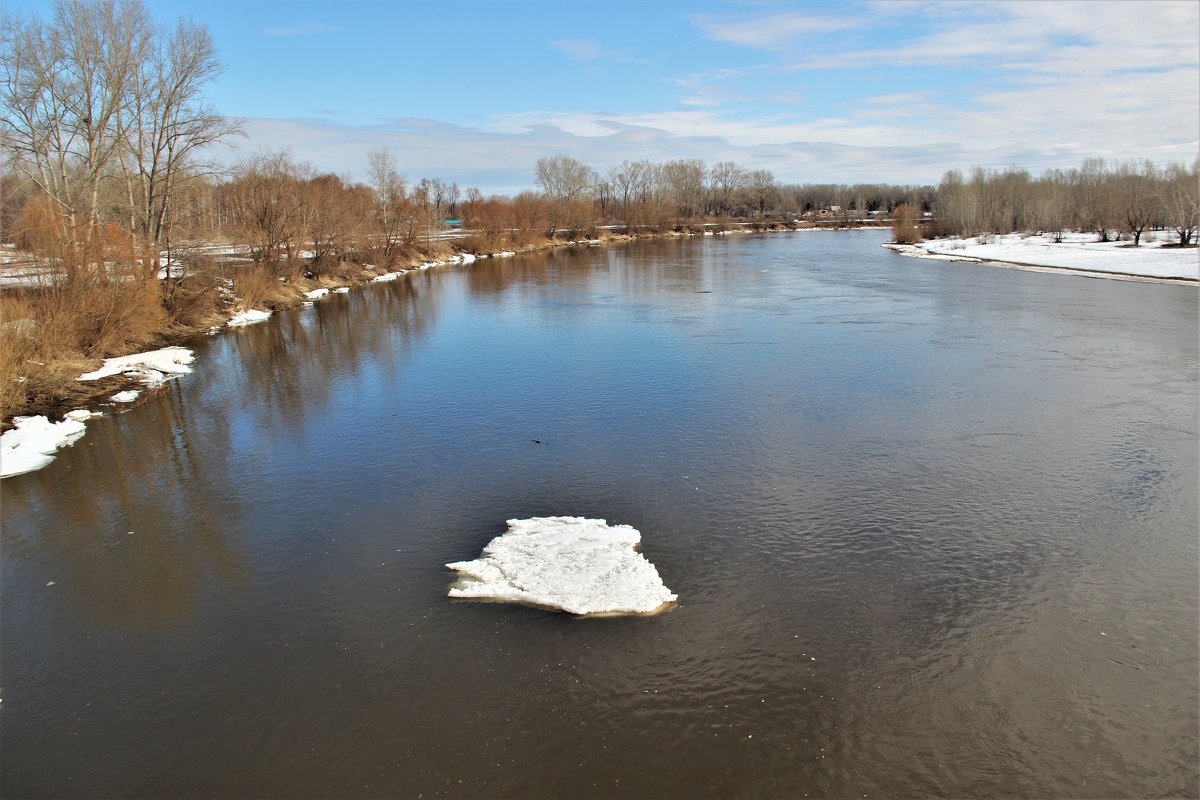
578 565
248 317
32 444
151 368
316 294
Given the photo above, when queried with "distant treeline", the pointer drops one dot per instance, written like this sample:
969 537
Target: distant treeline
281 206
1107 198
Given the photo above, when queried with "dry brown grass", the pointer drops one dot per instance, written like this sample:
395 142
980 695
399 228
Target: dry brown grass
194 300
40 356
256 286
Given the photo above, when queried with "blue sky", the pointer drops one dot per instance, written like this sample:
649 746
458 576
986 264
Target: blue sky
896 91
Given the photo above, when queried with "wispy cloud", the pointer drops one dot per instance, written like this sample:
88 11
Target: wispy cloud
589 50
771 31
700 100
303 29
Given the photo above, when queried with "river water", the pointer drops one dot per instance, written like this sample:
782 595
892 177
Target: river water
933 527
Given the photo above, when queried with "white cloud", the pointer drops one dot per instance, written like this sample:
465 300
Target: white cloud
771 31
1049 84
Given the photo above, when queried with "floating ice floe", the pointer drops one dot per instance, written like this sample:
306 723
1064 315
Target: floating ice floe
32 443
151 368
342 290
127 396
388 276
248 317
316 294
505 254
581 566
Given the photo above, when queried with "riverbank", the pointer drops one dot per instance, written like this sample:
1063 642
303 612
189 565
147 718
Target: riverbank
1075 254
51 387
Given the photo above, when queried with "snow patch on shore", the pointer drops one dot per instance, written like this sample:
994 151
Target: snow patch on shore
151 368
127 396
316 294
32 444
248 317
578 565
1077 252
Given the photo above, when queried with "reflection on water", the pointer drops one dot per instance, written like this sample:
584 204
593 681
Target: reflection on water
933 527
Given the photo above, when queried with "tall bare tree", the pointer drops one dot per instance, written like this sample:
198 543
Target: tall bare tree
166 124
1180 198
566 183
387 186
64 86
100 92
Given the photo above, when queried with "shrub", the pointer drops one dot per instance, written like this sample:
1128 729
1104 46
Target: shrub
904 225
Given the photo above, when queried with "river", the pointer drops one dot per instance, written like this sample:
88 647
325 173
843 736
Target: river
933 527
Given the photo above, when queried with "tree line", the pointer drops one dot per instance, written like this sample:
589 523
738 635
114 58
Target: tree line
1107 198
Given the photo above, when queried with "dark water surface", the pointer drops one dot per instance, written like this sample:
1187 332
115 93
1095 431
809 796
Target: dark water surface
933 527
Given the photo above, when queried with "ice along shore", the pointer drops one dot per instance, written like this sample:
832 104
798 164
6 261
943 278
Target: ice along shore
1072 253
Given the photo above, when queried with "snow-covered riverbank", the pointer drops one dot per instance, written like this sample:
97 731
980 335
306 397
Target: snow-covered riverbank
1078 253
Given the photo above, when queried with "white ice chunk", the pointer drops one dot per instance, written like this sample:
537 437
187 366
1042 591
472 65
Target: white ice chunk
581 566
342 290
467 258
82 414
150 367
32 443
316 294
125 397
389 276
505 254
248 317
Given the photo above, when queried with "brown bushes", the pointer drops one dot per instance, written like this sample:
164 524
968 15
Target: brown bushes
904 225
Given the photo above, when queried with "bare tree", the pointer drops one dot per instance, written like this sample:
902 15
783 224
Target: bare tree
566 183
64 86
387 186
725 180
564 178
682 183
1180 199
99 93
268 205
762 189
166 123
1136 197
